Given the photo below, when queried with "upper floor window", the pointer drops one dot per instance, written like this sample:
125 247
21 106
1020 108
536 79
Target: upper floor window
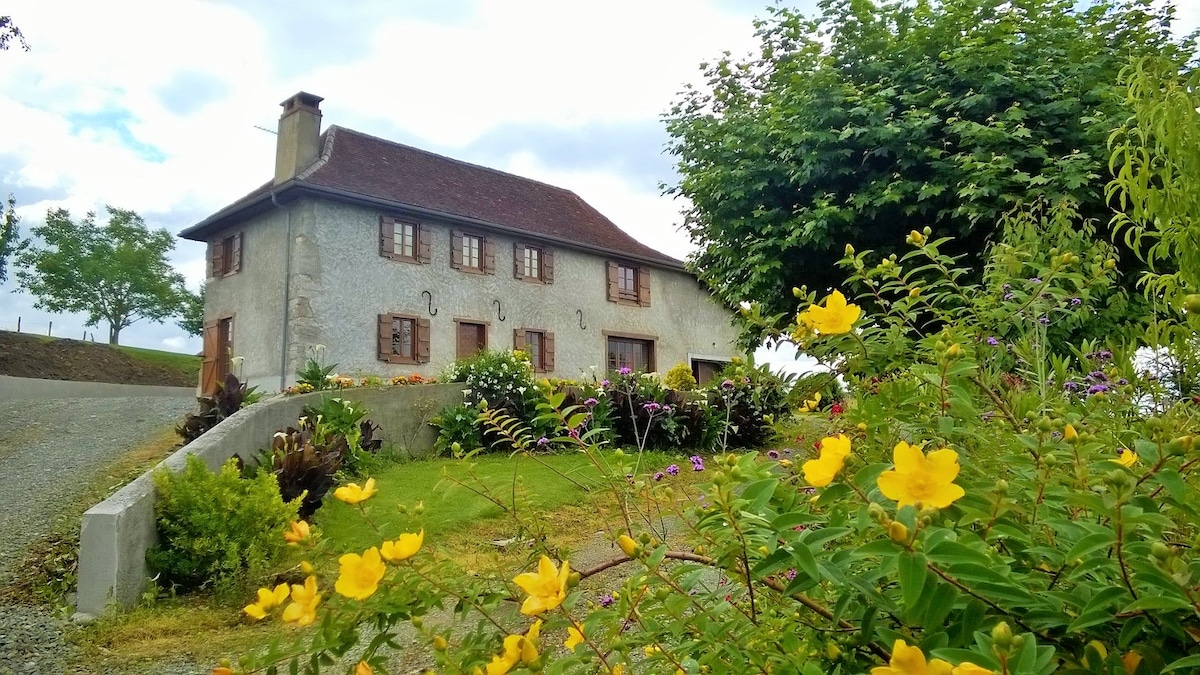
403 240
225 255
472 253
628 284
532 263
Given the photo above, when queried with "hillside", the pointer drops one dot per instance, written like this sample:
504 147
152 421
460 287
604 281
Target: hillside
24 355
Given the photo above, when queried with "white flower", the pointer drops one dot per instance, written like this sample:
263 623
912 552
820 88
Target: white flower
745 305
318 348
521 389
466 392
238 360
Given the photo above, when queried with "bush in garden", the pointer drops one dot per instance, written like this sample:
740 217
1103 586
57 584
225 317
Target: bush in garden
315 375
334 417
502 378
458 425
750 399
680 378
230 397
217 530
648 415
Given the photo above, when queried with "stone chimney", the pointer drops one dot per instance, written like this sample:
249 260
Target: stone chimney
297 145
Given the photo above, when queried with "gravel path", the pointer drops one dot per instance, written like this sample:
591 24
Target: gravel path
51 449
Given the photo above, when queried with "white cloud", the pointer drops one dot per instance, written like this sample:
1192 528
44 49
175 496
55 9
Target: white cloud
176 343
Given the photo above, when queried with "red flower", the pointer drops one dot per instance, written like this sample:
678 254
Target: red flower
837 409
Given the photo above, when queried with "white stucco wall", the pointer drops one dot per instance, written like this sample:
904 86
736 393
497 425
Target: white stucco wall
340 284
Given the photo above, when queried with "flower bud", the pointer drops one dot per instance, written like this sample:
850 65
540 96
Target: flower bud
1110 264
796 292
1045 424
439 643
898 532
417 622
644 538
861 426
832 650
1001 486
573 579
954 351
1002 635
876 512
1192 303
306 568
1070 435
927 230
1160 550
849 249
629 546
914 291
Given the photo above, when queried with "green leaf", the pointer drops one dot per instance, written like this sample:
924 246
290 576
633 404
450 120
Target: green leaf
912 577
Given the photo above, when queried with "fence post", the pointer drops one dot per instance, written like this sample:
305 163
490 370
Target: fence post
50 329
18 324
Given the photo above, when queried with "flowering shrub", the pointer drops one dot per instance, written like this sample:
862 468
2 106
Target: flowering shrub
680 378
750 399
458 428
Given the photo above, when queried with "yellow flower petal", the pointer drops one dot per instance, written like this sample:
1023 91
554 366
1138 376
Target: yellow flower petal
920 479
351 493
907 457
358 576
574 638
547 588
255 611
363 668
405 547
297 532
967 668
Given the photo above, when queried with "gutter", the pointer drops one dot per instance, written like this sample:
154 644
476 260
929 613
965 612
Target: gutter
216 221
287 294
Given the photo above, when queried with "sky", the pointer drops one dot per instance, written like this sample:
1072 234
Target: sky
153 105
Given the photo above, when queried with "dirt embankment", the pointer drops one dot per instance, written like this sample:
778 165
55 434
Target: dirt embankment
24 355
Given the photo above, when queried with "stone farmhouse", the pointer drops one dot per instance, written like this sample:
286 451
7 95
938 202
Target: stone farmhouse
399 261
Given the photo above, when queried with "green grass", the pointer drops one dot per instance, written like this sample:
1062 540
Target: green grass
188 364
567 479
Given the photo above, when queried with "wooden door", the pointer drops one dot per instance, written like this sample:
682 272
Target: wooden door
705 371
472 338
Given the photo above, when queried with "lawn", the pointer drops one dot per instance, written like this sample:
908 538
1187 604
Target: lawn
188 364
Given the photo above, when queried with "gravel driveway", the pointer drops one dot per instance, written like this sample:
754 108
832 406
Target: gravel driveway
50 449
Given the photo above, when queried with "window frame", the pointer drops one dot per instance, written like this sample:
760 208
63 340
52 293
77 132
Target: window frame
638 295
225 255
420 240
544 361
544 272
459 252
420 338
649 341
466 250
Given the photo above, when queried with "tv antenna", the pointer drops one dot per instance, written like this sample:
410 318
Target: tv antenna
269 131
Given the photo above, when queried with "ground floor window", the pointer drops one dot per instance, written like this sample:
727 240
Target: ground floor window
627 352
403 339
471 338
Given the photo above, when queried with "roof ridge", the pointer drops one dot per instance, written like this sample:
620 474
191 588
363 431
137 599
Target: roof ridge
448 158
326 153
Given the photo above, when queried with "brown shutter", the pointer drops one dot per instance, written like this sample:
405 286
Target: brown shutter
387 237
424 243
218 257
422 340
385 337
518 338
489 256
235 255
643 286
548 351
518 261
456 243
613 284
547 266
208 367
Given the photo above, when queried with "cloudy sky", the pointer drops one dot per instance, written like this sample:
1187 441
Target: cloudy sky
153 105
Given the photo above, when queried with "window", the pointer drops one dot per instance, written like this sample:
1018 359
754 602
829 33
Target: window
471 338
225 256
403 339
403 240
539 345
628 284
472 253
533 263
635 353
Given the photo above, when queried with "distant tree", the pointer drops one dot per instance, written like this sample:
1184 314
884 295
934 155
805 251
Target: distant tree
191 314
9 32
10 241
875 118
116 272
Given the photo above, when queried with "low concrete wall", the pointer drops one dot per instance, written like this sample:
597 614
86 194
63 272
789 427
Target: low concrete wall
23 388
117 532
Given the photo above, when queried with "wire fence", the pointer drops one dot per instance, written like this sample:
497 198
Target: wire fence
60 329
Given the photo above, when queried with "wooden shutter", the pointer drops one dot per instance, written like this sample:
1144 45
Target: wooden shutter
489 256
208 367
547 266
385 337
387 237
422 340
235 255
518 338
424 243
518 261
456 244
548 351
614 288
643 286
218 258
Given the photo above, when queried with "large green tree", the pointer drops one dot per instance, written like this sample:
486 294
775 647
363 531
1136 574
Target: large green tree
191 312
873 119
115 272
10 240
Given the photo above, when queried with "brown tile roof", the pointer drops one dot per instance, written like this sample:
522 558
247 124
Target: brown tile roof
357 164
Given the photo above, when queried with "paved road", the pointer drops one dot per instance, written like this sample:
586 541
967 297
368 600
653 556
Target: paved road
50 450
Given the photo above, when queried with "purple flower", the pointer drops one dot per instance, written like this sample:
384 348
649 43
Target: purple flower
1035 280
1009 296
1075 302
1044 320
658 476
773 454
1006 286
745 380
673 469
606 600
993 341
573 433
624 370
1104 354
697 463
651 406
1122 381
591 402
727 384
1070 386
790 574
987 416
1098 376
810 490
1097 388
542 441
605 383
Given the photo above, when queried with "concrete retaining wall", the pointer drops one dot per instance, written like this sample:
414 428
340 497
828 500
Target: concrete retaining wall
23 388
117 532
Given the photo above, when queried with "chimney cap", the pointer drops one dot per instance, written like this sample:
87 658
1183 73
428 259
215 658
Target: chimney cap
302 99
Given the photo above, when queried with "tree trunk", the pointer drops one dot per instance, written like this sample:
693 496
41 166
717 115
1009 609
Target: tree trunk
114 333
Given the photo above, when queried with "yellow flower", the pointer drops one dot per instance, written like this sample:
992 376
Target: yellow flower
303 609
359 575
812 404
353 494
921 478
1130 660
628 545
1069 434
835 317
911 661
1126 458
363 668
968 668
298 531
403 548
547 588
267 599
222 670
618 669
574 638
517 649
821 472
